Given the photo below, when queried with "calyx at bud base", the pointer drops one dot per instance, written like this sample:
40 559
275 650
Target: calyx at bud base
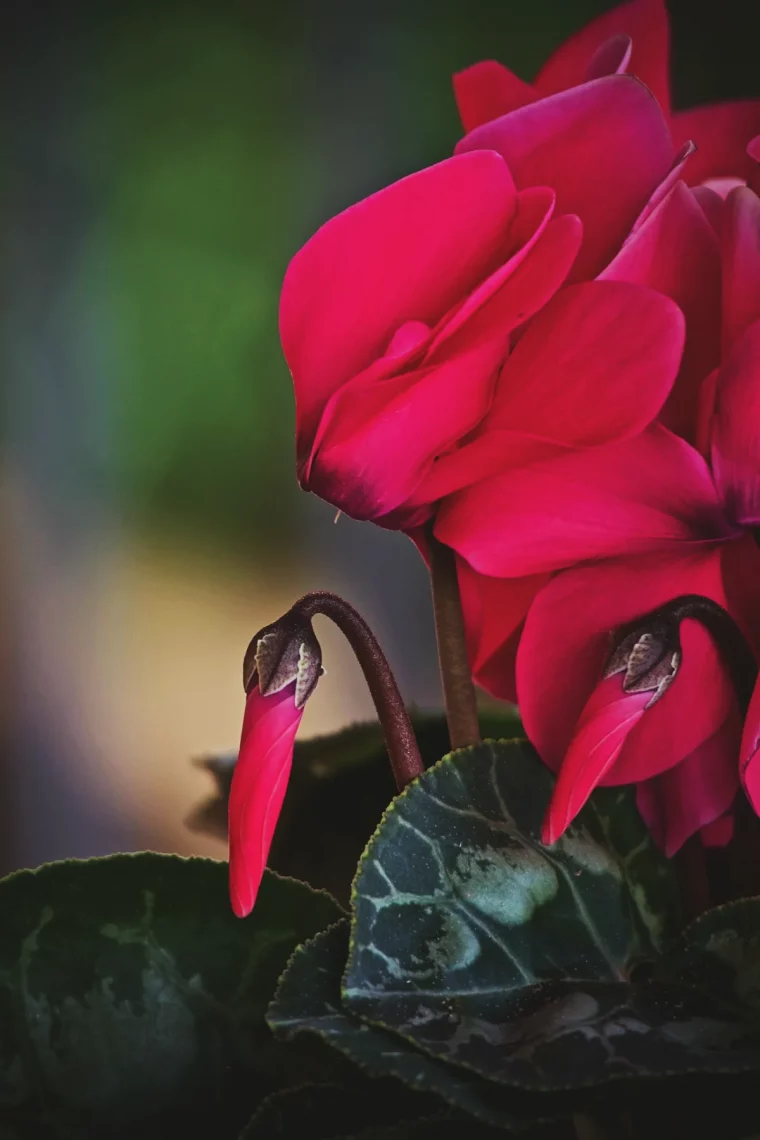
281 653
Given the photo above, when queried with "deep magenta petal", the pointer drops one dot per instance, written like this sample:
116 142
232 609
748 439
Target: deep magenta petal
259 783
676 252
722 132
603 727
602 147
735 436
741 263
653 492
749 751
487 90
696 793
645 22
409 252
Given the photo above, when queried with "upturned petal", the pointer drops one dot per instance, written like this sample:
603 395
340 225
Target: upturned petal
653 492
258 788
602 147
676 251
722 132
741 263
408 252
594 366
487 90
379 436
644 22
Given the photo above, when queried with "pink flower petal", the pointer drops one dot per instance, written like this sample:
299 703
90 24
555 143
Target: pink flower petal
711 205
677 253
653 492
615 350
644 21
674 175
603 727
602 147
749 752
721 132
695 794
494 610
753 153
611 58
740 568
487 90
741 264
566 638
379 437
408 252
258 788
735 435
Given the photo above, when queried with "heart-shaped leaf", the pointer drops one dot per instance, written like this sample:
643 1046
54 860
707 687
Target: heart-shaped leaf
131 997
719 953
486 949
308 1000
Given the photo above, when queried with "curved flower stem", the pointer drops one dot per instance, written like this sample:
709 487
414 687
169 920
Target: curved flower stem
456 676
400 740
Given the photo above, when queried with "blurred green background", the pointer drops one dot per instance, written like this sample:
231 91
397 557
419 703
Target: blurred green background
163 163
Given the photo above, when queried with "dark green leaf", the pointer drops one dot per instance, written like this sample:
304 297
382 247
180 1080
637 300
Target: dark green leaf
330 1111
308 1000
613 819
462 917
131 997
339 788
720 954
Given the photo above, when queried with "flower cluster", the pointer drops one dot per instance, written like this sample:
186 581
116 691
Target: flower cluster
546 351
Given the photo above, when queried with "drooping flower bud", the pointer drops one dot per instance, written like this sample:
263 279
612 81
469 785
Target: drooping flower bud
648 656
280 671
281 668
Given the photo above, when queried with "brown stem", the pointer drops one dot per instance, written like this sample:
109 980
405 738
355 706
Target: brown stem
456 677
400 740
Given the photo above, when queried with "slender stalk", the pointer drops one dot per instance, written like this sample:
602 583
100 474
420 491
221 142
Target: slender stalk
400 740
456 677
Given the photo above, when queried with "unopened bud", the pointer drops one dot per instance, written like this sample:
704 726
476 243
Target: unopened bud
281 653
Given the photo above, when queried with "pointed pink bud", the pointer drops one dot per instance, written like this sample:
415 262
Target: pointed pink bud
749 752
603 728
281 668
258 788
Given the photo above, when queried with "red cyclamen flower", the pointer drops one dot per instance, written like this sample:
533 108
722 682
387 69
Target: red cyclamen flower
398 314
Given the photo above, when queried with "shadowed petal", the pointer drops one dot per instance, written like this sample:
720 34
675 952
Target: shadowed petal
602 147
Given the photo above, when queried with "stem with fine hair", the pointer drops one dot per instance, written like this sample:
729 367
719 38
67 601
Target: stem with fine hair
456 676
403 751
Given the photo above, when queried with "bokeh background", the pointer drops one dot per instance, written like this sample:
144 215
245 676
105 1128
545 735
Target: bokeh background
162 163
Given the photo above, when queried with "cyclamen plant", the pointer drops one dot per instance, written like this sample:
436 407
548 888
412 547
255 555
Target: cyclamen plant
540 359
